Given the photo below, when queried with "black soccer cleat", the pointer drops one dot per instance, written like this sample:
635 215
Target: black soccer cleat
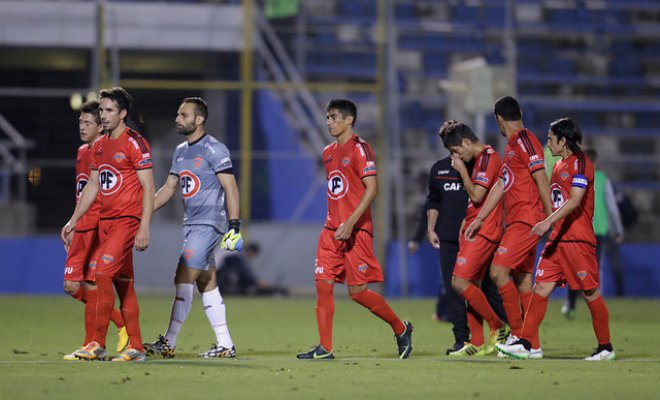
317 353
404 341
161 347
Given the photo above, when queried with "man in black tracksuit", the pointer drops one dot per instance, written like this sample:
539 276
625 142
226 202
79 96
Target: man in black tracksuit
446 204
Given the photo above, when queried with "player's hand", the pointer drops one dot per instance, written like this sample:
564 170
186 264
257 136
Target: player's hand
232 241
457 163
142 239
413 246
67 233
541 228
67 242
473 228
433 239
344 231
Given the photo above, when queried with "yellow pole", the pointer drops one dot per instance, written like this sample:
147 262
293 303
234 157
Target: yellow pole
246 109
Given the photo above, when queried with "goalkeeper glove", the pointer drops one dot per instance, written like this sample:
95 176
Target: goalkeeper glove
232 240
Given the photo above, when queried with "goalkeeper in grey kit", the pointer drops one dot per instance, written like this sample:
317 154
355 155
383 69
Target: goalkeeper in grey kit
202 170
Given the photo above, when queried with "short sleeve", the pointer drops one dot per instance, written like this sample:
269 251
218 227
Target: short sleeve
174 170
219 157
487 170
530 151
140 152
365 161
95 161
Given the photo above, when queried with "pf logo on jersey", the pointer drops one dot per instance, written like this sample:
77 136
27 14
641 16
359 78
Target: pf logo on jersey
557 196
190 184
81 182
507 176
110 179
337 185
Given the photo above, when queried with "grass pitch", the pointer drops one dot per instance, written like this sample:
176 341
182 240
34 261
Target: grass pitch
36 332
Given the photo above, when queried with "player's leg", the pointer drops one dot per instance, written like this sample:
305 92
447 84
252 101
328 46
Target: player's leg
455 303
600 320
329 268
216 312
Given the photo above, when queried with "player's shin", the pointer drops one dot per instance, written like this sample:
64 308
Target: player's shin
325 311
131 312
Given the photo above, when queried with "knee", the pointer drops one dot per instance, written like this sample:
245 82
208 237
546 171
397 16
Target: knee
499 275
355 291
71 287
591 294
459 284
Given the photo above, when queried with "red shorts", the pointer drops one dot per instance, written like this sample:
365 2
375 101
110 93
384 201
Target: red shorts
80 264
473 257
517 249
574 263
352 260
117 237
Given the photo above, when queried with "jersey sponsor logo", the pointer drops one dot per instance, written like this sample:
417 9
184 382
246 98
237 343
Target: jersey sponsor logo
68 270
318 270
81 182
362 268
582 275
337 185
197 161
345 161
119 157
107 258
481 177
452 187
190 184
146 155
539 272
557 196
179 159
110 179
443 172
461 260
368 170
508 177
144 162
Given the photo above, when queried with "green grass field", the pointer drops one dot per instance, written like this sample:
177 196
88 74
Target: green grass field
36 332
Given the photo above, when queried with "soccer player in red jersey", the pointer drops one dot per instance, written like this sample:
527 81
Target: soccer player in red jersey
80 265
570 254
345 247
122 173
523 188
474 254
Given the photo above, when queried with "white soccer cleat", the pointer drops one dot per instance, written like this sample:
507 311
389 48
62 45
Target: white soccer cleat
536 354
515 350
603 355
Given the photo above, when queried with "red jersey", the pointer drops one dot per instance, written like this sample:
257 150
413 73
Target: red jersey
90 220
485 174
345 166
523 157
575 171
117 161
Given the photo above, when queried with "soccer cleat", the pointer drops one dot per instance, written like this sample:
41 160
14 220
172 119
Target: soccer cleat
536 354
404 341
72 356
130 355
469 349
515 350
498 336
122 339
603 355
457 346
218 351
317 353
92 351
160 346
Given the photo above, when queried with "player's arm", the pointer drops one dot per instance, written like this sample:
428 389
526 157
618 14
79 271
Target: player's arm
232 240
87 197
166 191
146 178
575 198
541 179
431 219
371 189
493 199
476 192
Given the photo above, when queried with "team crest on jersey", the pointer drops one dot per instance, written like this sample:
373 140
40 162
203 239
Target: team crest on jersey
564 175
197 161
582 275
119 157
508 177
557 196
345 161
81 182
337 185
107 258
502 250
190 184
188 253
110 179
362 268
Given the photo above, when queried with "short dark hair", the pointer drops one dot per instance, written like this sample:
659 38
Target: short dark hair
508 108
120 96
91 107
345 107
201 108
453 132
570 130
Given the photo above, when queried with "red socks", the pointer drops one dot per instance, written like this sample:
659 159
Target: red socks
600 319
325 311
537 308
91 298
378 306
525 300
477 300
104 306
476 326
131 312
511 303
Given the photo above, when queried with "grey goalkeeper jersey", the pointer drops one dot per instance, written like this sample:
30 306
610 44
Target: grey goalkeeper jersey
195 165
